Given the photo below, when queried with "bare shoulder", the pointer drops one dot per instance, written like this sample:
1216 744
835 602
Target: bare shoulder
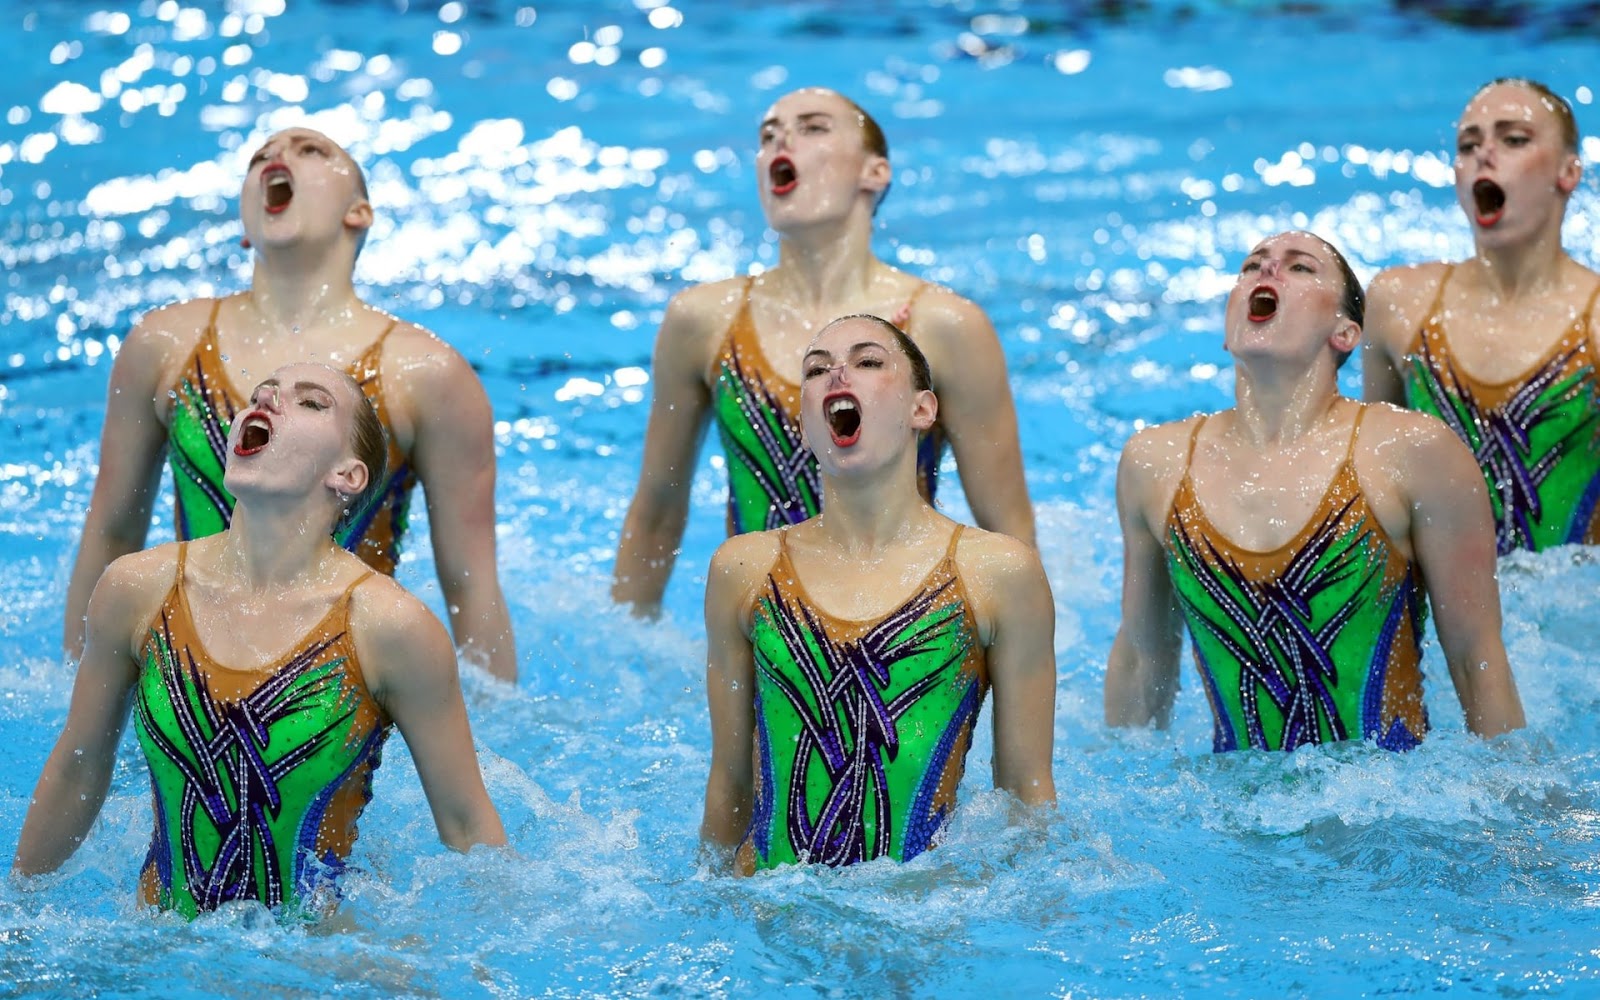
1157 453
1385 424
1005 581
1411 447
384 610
1408 282
162 339
416 350
744 559
1398 300
997 559
131 590
942 316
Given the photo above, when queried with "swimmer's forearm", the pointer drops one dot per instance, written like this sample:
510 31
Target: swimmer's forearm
644 565
1136 694
64 806
481 625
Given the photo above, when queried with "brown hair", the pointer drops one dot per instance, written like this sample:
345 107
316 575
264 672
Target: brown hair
371 444
1353 300
875 142
1553 102
921 374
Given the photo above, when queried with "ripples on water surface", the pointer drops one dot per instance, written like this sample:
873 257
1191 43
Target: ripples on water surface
547 175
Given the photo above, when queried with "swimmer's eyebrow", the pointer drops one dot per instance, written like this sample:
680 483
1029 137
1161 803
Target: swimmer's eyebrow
803 117
318 386
861 345
1291 252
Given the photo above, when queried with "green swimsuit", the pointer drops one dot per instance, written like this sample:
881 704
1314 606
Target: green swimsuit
1317 640
862 727
1536 437
259 775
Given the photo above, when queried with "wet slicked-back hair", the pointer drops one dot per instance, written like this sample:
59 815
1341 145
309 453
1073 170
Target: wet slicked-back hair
1557 105
921 374
874 140
1353 299
371 444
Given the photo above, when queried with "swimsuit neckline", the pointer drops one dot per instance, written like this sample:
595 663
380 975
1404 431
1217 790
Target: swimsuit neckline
1573 337
231 389
1346 469
804 594
275 663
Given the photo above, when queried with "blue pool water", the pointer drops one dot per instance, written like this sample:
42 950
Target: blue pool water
548 174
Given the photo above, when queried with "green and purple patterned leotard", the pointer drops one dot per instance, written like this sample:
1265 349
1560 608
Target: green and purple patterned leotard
1316 641
258 775
772 476
1536 437
862 727
203 408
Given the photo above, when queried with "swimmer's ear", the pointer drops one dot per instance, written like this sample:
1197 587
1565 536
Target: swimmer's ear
1346 336
348 477
924 410
1571 173
876 175
359 215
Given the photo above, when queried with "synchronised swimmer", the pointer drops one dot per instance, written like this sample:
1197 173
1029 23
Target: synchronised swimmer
853 632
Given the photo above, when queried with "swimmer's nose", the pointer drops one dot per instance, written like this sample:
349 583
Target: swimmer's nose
1270 267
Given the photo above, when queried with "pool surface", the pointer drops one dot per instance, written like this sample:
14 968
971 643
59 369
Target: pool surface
547 175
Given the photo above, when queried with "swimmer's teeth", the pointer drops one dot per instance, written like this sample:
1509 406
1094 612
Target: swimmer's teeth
844 416
255 436
1263 303
782 174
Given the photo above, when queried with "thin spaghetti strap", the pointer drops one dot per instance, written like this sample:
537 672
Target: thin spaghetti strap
1438 296
955 537
1350 449
211 323
1194 436
358 581
902 316
1588 309
183 553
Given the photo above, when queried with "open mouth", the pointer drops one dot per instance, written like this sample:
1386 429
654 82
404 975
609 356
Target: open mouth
1490 199
783 176
279 186
844 420
1263 304
257 431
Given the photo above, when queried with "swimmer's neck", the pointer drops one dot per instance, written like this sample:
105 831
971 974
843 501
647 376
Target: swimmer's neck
1522 272
819 268
1274 412
293 295
867 516
270 546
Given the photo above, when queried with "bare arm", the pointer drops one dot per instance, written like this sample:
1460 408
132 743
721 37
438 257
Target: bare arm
77 774
730 689
410 662
679 406
1392 317
132 444
977 413
454 455
1142 672
1452 533
1022 669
